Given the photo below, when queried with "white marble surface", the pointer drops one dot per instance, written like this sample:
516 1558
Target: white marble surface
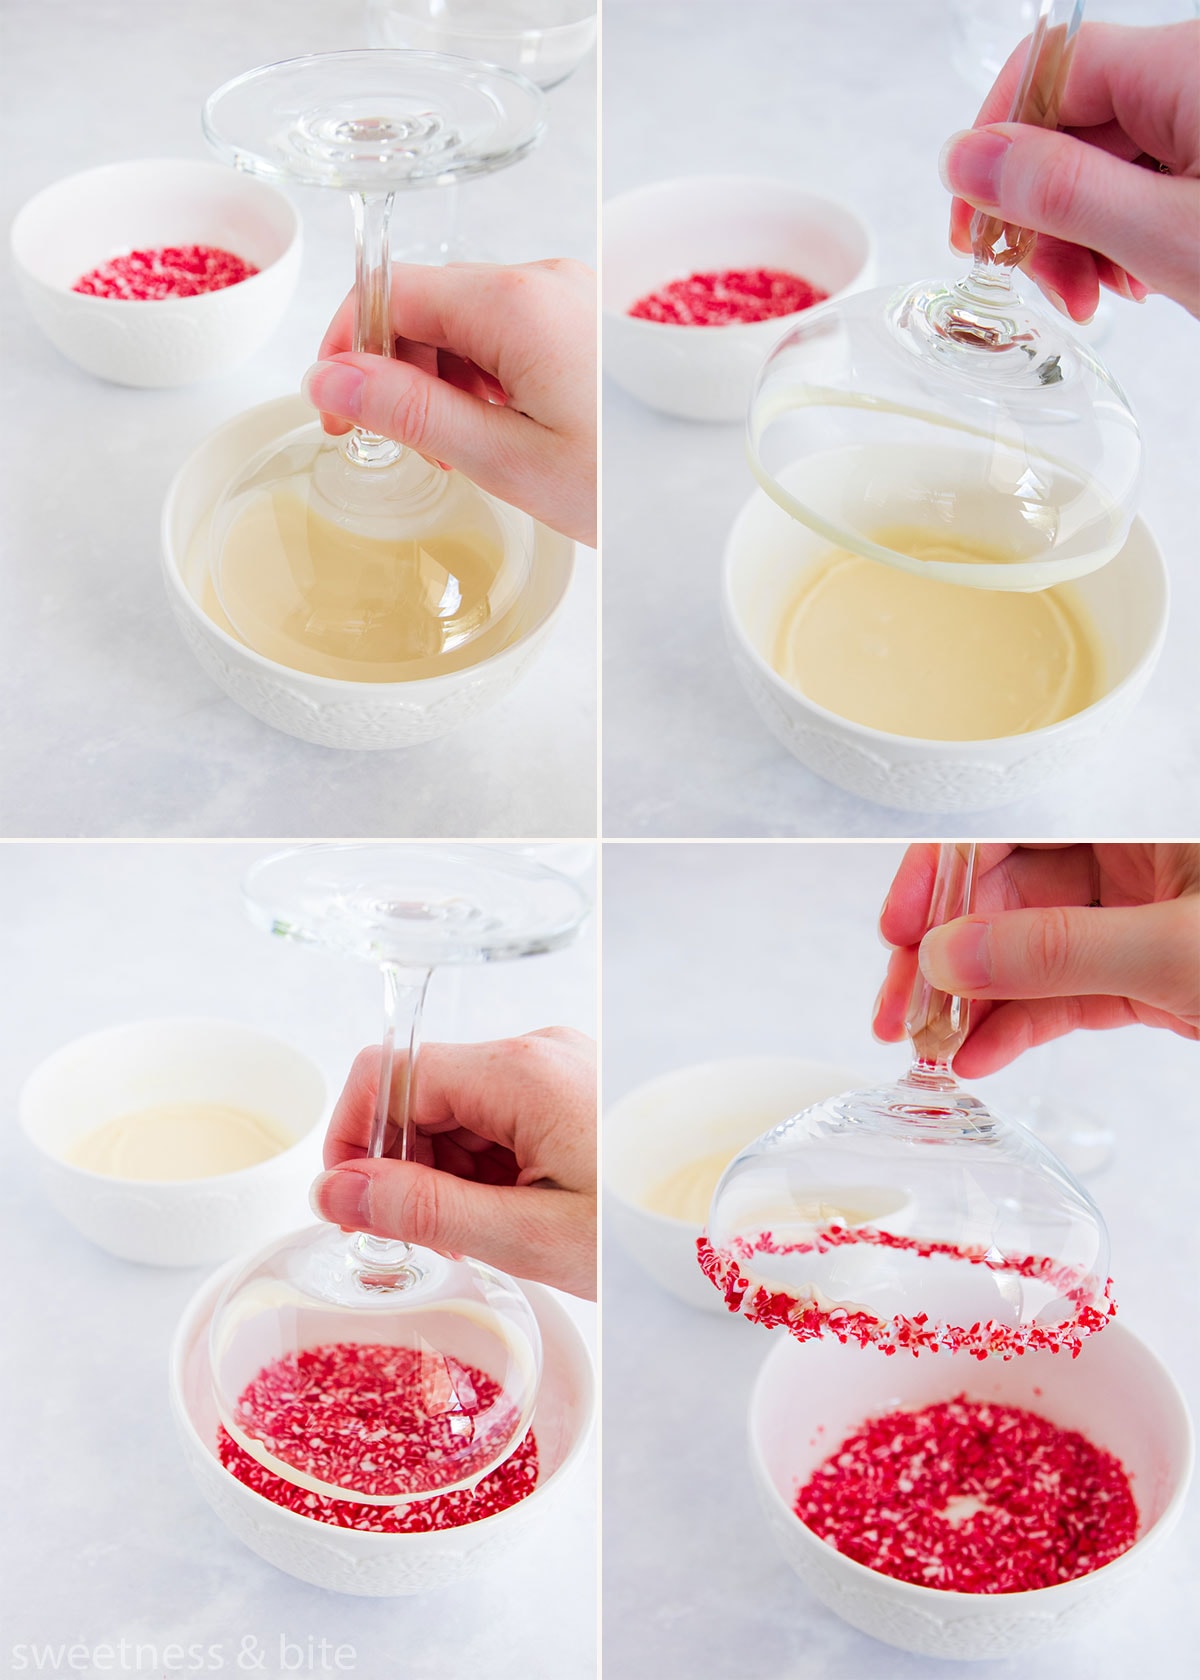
853 100
95 680
709 953
112 1539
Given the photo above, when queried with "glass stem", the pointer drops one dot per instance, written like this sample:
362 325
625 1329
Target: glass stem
989 283
407 988
937 1023
978 310
1035 103
403 1007
373 334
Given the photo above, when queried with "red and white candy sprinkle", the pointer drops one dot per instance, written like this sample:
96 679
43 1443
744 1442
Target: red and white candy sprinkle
731 295
375 1419
806 1320
171 271
973 1497
509 1483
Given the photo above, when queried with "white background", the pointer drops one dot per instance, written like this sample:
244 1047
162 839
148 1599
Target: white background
854 100
712 951
106 1536
109 727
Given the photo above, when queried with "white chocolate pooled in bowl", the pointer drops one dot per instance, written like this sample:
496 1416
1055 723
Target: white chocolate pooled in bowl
919 657
179 1140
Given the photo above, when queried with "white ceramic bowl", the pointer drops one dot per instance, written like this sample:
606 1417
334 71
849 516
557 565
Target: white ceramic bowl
765 556
699 223
384 1565
72 226
122 1069
324 710
684 1116
1116 1393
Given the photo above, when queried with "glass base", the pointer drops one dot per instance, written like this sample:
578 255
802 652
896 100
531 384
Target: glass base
419 906
374 120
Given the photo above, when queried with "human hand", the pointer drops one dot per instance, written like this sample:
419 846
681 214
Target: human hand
1061 937
495 373
1104 214
503 1161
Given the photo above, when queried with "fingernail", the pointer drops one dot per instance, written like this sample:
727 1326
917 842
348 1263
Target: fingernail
1056 298
970 164
879 933
1131 288
343 1197
335 388
878 1004
1060 303
957 957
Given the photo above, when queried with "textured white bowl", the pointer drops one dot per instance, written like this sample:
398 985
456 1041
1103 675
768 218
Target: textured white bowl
122 1069
70 227
683 1116
324 710
1116 1393
765 556
700 223
384 1565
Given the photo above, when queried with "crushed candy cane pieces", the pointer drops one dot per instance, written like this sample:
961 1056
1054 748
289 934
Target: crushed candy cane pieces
375 1419
170 271
509 1483
805 1319
972 1497
730 296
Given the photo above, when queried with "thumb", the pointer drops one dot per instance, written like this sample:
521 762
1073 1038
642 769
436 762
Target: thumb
517 1230
404 402
1055 184
1147 953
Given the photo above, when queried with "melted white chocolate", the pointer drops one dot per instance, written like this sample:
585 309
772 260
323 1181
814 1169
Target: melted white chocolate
174 1141
913 656
688 1192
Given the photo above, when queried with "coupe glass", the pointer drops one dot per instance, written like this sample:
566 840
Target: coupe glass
950 429
455 1338
545 40
910 1216
356 558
